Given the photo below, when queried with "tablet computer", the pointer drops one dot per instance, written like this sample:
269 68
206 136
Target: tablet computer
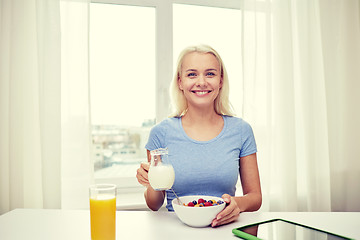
280 229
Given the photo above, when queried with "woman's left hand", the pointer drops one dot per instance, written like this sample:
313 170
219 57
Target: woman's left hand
230 213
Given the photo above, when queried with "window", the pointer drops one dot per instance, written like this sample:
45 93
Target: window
133 48
122 87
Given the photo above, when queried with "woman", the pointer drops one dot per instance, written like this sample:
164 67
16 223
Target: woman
208 147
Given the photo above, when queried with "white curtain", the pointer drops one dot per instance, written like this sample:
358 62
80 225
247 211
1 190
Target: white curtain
44 155
29 104
305 113
76 164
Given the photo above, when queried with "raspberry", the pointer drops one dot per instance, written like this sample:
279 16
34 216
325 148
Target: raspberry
201 200
190 204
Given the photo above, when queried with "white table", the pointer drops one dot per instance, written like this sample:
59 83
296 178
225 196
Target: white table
75 224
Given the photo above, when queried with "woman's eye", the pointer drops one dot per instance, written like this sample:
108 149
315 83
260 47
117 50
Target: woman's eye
210 74
191 75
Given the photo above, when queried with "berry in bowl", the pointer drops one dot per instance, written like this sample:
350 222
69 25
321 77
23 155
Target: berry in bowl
198 210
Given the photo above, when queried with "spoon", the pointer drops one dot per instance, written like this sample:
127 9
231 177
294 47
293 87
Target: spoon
179 201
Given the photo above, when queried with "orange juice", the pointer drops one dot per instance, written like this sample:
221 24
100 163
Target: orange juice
102 217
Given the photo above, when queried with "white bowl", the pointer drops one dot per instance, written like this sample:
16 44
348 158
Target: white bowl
197 216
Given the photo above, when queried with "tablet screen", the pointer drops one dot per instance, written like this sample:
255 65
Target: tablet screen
281 230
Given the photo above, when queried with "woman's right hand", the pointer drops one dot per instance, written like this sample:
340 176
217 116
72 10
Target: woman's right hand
154 199
142 174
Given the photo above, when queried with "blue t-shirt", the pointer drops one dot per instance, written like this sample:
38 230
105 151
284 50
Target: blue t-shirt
203 167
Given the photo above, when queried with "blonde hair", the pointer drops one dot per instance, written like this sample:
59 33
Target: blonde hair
222 105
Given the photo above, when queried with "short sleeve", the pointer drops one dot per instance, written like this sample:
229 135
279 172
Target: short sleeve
156 137
249 145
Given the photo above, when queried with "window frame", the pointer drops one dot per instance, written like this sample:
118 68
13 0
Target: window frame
164 57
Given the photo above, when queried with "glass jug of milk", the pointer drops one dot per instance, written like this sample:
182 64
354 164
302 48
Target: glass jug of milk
161 172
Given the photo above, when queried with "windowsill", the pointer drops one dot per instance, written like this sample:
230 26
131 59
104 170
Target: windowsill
131 201
134 201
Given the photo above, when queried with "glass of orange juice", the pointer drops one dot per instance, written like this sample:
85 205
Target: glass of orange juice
102 211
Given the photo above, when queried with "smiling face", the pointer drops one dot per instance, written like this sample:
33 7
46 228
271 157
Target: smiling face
200 79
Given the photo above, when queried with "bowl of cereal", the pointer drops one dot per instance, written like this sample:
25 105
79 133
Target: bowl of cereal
198 210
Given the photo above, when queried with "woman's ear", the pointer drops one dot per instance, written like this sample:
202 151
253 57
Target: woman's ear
179 83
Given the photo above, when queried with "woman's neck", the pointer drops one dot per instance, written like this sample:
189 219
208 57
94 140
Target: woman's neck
201 125
200 116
